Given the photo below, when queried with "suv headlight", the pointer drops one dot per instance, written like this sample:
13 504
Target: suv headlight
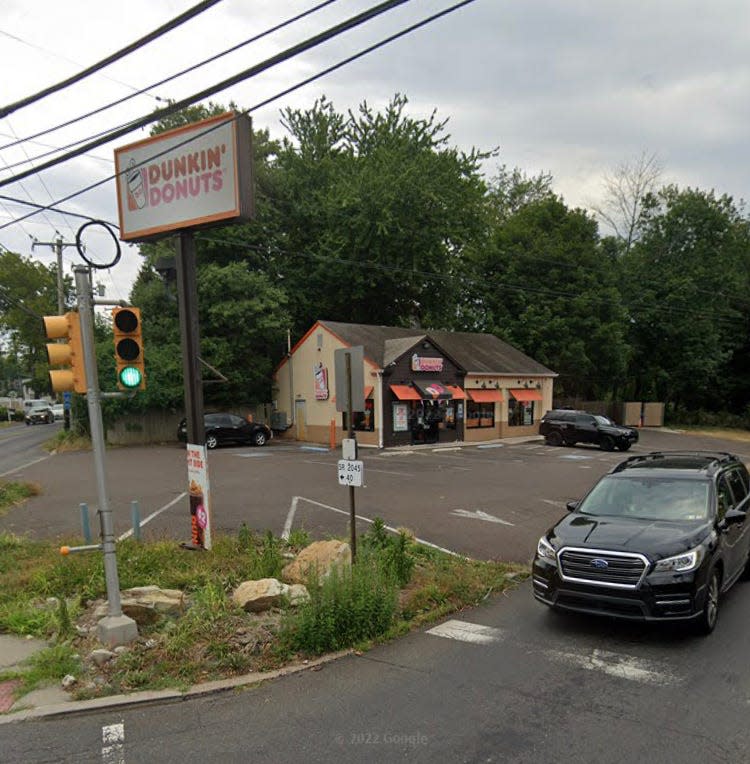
545 549
681 563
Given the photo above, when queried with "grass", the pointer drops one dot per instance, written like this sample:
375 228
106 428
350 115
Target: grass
396 585
67 440
14 492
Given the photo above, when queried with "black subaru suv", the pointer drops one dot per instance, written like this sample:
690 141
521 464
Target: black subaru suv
659 538
570 427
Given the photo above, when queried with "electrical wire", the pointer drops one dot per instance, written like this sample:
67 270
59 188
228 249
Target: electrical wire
204 5
175 76
300 84
253 71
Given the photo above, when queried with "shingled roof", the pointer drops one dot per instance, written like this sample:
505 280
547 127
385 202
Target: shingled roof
474 353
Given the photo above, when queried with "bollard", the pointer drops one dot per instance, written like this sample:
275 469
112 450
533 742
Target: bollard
85 522
332 434
135 514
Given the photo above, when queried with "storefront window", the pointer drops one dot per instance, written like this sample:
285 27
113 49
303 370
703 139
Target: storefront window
480 414
364 421
520 413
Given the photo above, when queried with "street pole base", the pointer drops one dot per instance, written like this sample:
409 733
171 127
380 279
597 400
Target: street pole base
192 547
114 630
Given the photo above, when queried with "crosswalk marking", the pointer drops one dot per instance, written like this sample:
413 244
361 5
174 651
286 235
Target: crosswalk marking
467 632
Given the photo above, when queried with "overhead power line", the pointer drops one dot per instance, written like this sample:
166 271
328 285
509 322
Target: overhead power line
168 27
375 46
158 114
175 76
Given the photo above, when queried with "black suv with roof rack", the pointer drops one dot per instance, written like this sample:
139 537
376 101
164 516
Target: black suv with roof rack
659 538
568 426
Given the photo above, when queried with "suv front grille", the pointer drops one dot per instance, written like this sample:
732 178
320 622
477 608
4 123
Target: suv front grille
621 570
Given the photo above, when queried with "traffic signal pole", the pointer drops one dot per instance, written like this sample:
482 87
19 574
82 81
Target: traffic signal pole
116 628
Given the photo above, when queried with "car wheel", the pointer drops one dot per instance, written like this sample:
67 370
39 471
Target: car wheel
28 423
707 621
259 438
553 438
607 443
625 445
570 442
211 441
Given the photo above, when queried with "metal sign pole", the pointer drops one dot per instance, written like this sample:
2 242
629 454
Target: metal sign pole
187 301
115 628
352 515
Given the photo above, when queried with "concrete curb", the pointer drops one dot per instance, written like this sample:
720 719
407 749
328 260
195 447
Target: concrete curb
160 696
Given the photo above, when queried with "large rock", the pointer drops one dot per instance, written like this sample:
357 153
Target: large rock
320 556
146 604
256 596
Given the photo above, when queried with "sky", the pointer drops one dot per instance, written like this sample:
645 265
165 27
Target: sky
573 89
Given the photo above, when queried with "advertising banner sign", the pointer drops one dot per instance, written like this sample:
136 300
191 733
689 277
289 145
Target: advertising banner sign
193 176
199 492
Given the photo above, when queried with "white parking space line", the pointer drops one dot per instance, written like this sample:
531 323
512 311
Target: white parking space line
148 519
257 455
576 457
113 744
297 499
618 665
467 632
553 503
23 466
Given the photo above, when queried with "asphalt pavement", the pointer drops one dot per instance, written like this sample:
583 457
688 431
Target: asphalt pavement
505 682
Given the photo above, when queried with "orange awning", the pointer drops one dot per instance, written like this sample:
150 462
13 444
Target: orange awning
457 392
405 393
485 396
368 391
526 395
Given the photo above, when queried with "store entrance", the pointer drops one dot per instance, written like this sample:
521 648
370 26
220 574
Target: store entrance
436 421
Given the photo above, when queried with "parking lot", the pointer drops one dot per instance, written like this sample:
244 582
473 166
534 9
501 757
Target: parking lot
488 502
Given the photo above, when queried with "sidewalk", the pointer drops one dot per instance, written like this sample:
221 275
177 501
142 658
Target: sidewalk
55 701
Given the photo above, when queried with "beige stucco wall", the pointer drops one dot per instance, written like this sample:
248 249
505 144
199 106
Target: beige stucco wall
319 346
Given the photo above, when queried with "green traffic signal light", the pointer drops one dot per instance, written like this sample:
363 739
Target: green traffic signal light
130 377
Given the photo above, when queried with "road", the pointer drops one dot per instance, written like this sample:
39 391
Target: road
20 445
487 503
509 681
537 687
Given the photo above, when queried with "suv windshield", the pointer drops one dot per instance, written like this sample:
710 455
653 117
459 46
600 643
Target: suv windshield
649 498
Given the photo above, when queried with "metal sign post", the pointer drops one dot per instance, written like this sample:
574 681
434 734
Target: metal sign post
349 366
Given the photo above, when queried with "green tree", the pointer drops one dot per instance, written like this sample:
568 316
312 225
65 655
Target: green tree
686 287
376 210
543 283
28 291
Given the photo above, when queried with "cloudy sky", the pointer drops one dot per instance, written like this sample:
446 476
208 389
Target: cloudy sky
571 88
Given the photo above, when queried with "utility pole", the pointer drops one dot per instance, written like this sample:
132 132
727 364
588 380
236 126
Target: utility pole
58 245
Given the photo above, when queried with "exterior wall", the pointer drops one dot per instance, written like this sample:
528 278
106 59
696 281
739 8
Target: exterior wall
318 347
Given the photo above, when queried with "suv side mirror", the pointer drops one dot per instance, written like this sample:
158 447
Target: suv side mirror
735 517
572 506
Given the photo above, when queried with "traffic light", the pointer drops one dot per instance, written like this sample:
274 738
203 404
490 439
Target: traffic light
68 353
126 323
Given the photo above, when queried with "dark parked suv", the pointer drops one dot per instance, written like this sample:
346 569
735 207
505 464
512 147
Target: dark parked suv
659 538
570 427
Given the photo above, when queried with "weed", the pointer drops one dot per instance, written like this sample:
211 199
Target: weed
351 605
245 538
298 539
12 493
50 666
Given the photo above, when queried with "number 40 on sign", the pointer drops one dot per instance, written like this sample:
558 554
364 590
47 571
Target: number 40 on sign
350 472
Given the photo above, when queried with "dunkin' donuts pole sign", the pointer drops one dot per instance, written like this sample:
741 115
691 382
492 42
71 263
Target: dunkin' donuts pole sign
195 176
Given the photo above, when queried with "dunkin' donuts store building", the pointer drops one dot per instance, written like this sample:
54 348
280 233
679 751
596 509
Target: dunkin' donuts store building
421 386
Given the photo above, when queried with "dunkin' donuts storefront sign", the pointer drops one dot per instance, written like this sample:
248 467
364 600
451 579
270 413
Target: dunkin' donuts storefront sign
191 177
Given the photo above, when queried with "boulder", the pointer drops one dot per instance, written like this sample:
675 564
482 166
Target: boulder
100 657
256 596
297 594
322 556
145 604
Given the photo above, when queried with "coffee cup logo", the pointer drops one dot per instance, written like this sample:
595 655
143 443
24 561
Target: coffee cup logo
136 180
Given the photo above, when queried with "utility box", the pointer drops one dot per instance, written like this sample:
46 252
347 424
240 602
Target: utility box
279 420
